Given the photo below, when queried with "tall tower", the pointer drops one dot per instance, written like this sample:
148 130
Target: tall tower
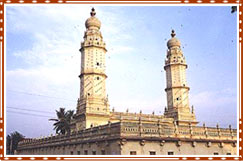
93 106
176 86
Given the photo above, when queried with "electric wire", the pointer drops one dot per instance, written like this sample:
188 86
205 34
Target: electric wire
41 95
23 113
25 109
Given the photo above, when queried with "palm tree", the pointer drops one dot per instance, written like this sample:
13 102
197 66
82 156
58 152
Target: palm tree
12 141
63 121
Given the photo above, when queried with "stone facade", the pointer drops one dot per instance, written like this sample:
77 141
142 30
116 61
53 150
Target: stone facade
138 137
95 130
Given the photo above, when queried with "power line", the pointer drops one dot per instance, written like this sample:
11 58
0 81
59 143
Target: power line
25 109
34 94
23 113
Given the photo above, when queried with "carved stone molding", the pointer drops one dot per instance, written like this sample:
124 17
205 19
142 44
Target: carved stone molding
142 142
123 142
88 144
221 145
178 143
162 143
209 144
107 143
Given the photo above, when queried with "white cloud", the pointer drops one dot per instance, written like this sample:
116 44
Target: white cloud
136 104
118 49
214 98
214 107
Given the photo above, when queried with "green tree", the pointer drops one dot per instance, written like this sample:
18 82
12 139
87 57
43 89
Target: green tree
8 144
12 141
63 121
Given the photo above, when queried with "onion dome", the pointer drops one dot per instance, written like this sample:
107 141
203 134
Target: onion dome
173 41
93 21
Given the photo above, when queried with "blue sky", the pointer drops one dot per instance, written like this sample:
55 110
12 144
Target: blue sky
43 61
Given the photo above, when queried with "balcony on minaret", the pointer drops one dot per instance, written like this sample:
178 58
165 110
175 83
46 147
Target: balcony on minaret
93 43
175 56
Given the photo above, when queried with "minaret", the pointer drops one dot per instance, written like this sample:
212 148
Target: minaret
176 86
92 107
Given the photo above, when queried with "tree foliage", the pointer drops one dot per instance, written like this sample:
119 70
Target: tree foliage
12 141
63 122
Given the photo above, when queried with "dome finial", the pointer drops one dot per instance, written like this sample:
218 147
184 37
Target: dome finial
92 13
173 33
173 41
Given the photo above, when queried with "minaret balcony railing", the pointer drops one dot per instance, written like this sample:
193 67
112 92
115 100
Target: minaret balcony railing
170 88
93 72
168 64
93 44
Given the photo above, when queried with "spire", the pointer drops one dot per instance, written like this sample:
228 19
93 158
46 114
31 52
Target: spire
173 33
173 41
92 21
92 13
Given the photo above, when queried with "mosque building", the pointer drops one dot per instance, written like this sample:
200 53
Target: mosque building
98 130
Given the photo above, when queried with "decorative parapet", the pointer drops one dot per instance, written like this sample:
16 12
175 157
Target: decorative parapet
177 131
141 130
94 134
135 116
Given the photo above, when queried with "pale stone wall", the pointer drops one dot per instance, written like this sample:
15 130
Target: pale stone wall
181 148
103 148
113 148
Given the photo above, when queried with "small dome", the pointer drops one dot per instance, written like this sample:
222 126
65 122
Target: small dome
173 41
92 21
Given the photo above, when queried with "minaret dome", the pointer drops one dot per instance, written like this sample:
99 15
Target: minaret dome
173 41
92 21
